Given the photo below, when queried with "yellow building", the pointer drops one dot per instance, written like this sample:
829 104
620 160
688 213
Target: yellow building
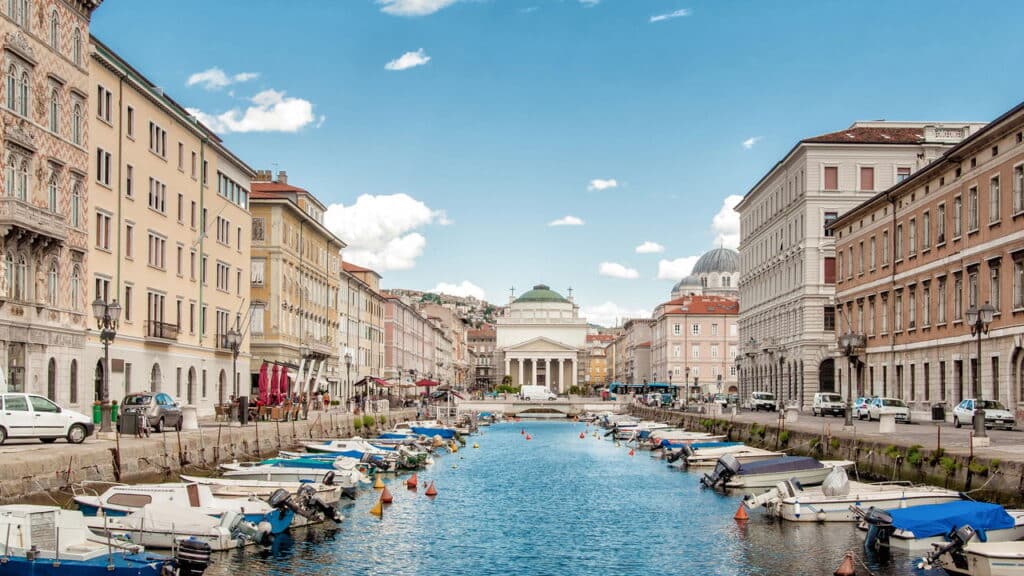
169 230
45 152
365 334
296 267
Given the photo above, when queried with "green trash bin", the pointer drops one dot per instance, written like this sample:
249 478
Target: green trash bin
113 412
97 413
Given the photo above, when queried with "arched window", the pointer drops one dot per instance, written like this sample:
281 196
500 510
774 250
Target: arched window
23 95
51 284
12 88
54 31
51 380
55 112
9 273
10 173
76 124
21 279
22 17
76 47
76 287
51 191
76 204
74 382
21 187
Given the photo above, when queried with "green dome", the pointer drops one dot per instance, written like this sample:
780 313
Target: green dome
541 293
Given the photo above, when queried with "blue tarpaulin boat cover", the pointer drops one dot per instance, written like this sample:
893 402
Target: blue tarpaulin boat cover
782 464
940 519
697 445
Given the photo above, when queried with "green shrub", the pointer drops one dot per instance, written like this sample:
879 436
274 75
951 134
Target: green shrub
383 419
892 452
936 455
948 464
914 455
784 437
357 422
834 443
978 468
368 421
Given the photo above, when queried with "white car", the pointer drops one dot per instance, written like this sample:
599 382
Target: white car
32 416
763 401
888 406
996 415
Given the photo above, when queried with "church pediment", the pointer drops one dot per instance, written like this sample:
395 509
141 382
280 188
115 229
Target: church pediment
540 344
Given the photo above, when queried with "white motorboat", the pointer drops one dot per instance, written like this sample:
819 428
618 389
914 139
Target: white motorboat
681 436
240 488
708 458
730 473
353 447
164 526
795 503
345 473
919 528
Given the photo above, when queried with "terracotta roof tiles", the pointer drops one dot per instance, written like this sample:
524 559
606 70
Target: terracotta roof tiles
870 135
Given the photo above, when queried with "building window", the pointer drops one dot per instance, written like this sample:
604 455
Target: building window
1018 188
695 351
830 217
257 273
926 231
54 111
940 224
223 276
993 199
994 291
103 231
192 216
157 140
695 329
897 321
831 178
76 47
54 31
899 242
51 191
926 305
157 195
76 204
76 123
76 287
830 318
885 247
911 308
872 248
676 351
194 165
1018 284
129 181
16 177
52 284
157 251
181 156
885 314
714 350
972 209
127 303
104 103
912 236
902 173
714 329
972 289
867 178
958 296
129 240
871 317
103 160
942 301
958 214
130 121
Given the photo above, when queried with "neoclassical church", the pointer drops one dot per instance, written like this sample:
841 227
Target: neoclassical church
716 273
540 339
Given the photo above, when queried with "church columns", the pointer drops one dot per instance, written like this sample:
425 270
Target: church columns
519 362
508 367
548 374
534 372
575 372
561 372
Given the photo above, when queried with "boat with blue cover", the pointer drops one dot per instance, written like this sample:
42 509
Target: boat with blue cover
50 541
426 428
917 528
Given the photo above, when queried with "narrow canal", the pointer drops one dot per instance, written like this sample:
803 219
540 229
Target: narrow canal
554 505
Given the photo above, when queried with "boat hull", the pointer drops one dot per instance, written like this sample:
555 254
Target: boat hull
808 477
142 564
837 509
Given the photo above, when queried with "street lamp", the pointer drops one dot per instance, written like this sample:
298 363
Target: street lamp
107 316
348 377
233 341
978 318
850 344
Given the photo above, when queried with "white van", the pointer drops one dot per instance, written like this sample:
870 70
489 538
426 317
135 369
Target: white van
536 393
763 401
31 416
828 403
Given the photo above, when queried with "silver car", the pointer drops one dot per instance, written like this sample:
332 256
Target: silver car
159 409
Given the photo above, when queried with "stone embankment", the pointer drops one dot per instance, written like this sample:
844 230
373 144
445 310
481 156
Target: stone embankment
891 459
29 469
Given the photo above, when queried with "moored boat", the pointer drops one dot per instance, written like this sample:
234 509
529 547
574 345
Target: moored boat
918 528
165 526
730 473
964 555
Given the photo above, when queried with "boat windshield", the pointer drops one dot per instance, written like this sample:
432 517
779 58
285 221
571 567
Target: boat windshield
991 405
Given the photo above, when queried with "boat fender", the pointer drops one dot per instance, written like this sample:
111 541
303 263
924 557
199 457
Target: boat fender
796 508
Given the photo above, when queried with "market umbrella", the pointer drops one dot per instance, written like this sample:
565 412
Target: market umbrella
264 396
424 383
284 387
275 379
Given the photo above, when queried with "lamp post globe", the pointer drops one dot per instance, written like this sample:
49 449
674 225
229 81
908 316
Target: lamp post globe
979 318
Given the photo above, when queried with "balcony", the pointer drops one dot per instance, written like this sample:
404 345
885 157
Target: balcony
161 332
31 223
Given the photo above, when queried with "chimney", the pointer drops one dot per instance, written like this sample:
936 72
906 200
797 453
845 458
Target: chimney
262 176
282 177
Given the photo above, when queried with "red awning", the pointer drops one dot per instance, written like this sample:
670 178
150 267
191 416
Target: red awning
380 382
427 383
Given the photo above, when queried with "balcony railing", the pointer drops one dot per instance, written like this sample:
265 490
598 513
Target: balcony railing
16 213
161 330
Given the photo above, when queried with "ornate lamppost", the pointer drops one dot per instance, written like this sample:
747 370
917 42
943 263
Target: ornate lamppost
107 316
348 377
850 344
233 342
979 318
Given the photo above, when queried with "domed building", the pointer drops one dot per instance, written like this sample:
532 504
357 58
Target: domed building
716 273
540 339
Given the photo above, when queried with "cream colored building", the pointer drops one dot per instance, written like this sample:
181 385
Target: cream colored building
364 337
45 147
787 257
169 239
541 339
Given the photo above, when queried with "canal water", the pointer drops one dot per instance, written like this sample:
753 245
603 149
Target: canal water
553 505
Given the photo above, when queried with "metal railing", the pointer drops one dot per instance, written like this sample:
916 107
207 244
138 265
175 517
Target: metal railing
161 330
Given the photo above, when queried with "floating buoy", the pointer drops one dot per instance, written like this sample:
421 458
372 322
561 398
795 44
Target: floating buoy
412 482
385 496
378 484
846 568
741 514
582 435
378 509
631 453
454 466
475 445
431 491
522 431
528 437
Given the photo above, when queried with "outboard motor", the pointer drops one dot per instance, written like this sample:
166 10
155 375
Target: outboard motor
349 492
310 505
727 467
958 538
328 479
193 556
880 528
282 500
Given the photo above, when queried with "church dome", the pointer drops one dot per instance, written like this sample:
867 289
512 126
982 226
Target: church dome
691 282
718 260
541 293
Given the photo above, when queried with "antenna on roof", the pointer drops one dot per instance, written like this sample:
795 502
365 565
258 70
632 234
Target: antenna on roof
570 293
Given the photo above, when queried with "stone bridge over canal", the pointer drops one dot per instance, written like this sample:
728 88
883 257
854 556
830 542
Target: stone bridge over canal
567 407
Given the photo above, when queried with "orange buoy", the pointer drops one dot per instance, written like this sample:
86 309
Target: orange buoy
378 484
631 452
582 436
741 514
385 496
412 482
522 431
528 437
378 509
431 491
846 568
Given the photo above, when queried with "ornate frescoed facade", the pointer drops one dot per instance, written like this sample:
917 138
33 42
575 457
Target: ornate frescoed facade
44 99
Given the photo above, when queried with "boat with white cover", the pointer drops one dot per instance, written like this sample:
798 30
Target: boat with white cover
239 488
165 526
709 458
345 473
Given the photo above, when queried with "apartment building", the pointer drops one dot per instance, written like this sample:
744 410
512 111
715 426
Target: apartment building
45 146
482 343
365 337
787 324
296 277
695 341
169 229
407 357
912 262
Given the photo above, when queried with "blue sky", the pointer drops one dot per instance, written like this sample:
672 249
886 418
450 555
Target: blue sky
449 134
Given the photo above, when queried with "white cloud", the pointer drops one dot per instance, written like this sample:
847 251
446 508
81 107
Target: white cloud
589 3
676 269
381 230
599 184
611 314
566 221
670 15
413 7
749 142
465 289
649 247
408 60
616 270
726 224
271 111
215 78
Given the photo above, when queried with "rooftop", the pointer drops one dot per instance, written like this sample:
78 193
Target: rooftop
541 293
701 305
870 135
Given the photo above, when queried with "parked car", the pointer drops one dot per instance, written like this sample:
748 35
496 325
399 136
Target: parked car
763 401
996 415
159 409
893 406
828 403
722 400
31 416
860 407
